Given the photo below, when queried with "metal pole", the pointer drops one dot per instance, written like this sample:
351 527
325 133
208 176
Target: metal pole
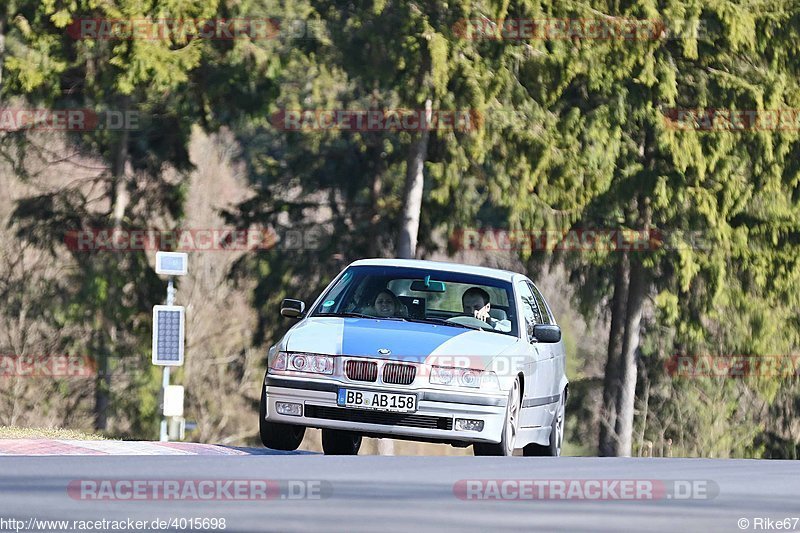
164 436
171 292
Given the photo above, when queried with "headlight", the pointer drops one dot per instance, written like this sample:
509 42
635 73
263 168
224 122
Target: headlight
303 362
463 377
442 375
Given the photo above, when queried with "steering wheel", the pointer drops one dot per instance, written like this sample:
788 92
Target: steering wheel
470 321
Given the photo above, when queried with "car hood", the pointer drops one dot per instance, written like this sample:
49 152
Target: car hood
406 341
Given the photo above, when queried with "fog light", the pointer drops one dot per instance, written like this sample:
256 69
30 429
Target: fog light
465 424
291 409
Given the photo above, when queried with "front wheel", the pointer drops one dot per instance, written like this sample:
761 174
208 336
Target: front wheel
337 442
510 429
553 448
277 436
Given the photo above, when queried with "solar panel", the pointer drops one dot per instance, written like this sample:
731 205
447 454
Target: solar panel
168 335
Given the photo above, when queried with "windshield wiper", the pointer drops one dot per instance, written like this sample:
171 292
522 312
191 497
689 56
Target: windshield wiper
348 314
351 314
444 322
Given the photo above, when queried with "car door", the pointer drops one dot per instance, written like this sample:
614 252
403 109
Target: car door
540 376
555 351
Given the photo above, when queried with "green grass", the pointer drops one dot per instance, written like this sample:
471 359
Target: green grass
570 449
12 432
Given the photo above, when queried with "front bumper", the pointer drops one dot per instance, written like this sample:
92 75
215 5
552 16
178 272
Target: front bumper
433 421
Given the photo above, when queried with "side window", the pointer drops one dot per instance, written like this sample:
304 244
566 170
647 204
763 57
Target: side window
545 317
529 308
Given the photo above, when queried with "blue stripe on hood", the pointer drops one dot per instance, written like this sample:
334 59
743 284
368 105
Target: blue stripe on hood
412 341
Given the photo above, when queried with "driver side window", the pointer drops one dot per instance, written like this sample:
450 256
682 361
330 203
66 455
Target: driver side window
529 309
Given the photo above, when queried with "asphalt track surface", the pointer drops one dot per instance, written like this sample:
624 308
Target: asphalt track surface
409 494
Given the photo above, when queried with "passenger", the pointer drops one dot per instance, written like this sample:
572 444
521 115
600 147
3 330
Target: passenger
386 304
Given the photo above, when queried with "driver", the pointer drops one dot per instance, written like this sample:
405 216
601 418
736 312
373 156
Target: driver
475 302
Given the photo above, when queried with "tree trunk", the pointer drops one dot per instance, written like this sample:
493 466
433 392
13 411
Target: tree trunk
108 335
630 290
612 380
102 385
412 198
627 394
374 245
2 49
619 384
637 292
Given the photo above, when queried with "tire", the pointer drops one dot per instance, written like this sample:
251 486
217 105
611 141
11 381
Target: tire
286 437
510 428
553 448
337 442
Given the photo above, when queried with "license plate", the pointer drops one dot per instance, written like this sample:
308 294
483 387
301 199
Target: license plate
379 401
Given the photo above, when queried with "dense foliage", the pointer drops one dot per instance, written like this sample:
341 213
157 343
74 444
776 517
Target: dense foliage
569 132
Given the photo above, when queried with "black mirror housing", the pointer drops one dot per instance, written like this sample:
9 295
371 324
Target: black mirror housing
549 333
292 308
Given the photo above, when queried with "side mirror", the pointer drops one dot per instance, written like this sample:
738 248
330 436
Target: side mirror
292 308
547 333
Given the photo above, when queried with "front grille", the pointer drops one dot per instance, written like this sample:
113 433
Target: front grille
399 374
361 370
378 417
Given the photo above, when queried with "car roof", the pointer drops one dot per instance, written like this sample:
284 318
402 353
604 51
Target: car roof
496 273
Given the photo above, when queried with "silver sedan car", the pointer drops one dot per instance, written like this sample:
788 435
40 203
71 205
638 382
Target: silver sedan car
419 350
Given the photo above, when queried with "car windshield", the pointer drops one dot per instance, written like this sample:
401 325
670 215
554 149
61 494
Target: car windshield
421 295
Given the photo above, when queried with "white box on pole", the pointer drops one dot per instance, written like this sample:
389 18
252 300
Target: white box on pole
173 400
172 263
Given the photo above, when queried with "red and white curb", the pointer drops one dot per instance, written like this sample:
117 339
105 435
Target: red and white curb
40 447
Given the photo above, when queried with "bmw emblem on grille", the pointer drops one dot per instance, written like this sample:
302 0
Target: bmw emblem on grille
384 351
